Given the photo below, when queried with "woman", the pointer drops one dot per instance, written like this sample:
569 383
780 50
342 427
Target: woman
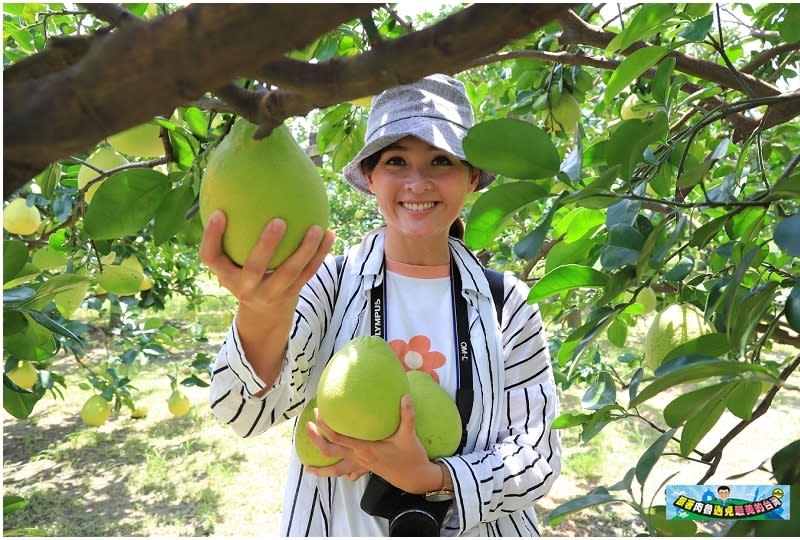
439 317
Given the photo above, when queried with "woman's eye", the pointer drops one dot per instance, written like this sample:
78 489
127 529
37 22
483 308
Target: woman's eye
442 160
394 160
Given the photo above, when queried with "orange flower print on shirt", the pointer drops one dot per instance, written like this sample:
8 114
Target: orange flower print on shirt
416 355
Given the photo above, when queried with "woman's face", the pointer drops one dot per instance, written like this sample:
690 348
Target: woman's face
420 189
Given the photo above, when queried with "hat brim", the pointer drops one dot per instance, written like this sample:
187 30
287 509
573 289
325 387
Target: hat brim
435 131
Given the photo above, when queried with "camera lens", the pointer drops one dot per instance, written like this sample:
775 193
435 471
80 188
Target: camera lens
414 522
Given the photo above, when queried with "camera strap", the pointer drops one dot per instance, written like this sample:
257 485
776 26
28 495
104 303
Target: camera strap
463 346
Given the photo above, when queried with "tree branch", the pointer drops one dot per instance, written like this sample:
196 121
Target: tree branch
447 47
112 13
579 32
68 111
715 455
768 55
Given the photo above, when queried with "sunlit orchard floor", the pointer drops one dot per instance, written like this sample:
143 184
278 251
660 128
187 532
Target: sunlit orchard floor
191 476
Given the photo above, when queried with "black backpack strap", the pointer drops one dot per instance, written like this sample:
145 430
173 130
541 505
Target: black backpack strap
495 280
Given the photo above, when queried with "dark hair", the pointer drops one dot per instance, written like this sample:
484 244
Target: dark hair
726 488
369 163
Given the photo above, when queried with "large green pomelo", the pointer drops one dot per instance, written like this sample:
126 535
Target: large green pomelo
143 140
438 422
253 182
671 327
360 389
307 451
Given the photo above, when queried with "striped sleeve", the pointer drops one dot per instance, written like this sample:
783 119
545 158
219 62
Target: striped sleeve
525 459
234 383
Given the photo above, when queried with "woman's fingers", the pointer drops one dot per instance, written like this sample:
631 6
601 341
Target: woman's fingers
210 252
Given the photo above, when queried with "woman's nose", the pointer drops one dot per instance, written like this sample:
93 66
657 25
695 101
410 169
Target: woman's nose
418 182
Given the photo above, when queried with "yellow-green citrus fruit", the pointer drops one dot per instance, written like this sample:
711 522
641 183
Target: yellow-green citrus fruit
438 422
95 411
564 115
671 327
104 159
178 403
360 389
140 412
252 182
24 375
19 218
141 141
631 108
647 297
307 451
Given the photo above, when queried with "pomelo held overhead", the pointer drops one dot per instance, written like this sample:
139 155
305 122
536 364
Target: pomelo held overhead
253 181
360 389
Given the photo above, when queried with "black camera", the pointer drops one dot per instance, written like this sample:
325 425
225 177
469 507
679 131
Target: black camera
408 514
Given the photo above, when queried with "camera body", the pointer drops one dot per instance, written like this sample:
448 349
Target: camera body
408 514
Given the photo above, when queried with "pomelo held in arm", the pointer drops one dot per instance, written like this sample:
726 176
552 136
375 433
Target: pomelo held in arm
438 422
307 451
671 327
360 389
253 181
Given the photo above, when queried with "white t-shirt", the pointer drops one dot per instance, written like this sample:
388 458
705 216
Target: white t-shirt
419 320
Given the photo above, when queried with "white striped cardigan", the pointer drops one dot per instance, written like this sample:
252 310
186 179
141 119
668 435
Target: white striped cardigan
511 457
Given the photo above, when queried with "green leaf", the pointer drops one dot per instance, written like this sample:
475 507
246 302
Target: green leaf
601 393
682 407
494 207
629 141
663 527
184 148
18 404
528 247
564 278
698 29
580 252
625 483
634 65
743 398
623 246
53 326
661 81
578 223
196 121
617 333
650 456
12 503
793 308
568 420
120 280
513 148
708 344
748 313
15 255
787 235
647 22
171 213
703 235
696 368
786 463
125 203
789 27
48 179
698 425
597 496
681 269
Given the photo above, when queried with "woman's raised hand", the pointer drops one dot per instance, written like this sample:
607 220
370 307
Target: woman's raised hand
253 284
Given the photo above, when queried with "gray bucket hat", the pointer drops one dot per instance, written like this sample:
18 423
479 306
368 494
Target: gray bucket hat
434 109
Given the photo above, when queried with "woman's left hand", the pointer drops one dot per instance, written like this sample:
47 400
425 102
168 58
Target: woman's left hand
400 459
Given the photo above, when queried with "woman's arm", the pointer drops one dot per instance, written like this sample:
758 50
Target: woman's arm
526 458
